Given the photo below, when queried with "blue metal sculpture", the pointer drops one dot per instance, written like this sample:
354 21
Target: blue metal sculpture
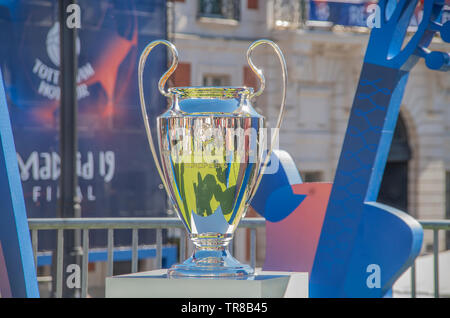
17 271
354 236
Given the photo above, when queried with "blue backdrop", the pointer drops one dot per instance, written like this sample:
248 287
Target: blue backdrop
355 12
116 172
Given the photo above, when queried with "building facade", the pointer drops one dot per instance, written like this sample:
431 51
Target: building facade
324 63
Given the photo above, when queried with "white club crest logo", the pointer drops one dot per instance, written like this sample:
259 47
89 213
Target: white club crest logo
49 75
52 43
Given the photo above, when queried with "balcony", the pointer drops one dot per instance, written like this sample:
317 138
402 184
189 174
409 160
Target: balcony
225 12
288 14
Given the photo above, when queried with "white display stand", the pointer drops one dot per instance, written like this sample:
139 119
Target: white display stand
155 284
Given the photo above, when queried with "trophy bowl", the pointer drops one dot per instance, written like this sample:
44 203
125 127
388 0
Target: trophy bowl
212 154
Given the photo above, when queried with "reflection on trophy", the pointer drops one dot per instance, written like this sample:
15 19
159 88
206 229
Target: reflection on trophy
212 148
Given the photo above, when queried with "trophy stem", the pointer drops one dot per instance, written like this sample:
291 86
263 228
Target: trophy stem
211 259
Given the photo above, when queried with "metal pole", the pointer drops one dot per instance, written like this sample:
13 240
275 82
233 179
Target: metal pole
436 262
158 248
110 261
69 203
413 280
134 250
59 264
253 248
84 268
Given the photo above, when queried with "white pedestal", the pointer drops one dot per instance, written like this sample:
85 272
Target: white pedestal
155 284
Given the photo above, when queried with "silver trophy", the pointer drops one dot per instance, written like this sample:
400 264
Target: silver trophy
212 155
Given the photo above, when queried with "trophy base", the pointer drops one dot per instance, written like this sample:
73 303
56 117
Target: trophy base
211 259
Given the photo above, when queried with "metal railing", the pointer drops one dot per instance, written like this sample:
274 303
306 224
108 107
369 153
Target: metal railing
435 226
111 224
135 224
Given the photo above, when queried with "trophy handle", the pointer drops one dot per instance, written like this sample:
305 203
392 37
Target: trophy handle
262 82
161 84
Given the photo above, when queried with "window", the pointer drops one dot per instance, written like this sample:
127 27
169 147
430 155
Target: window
182 75
312 176
250 79
288 14
252 4
219 9
216 80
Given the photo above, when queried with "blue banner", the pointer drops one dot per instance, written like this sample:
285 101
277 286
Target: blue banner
356 13
117 176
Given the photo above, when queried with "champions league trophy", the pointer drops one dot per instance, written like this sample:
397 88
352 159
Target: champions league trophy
212 151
